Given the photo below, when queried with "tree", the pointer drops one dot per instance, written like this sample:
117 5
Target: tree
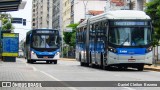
153 10
6 22
70 37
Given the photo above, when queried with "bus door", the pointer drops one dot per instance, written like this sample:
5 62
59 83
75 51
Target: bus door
92 44
99 50
83 52
100 31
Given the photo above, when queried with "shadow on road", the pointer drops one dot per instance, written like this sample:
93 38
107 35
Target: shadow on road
42 62
116 69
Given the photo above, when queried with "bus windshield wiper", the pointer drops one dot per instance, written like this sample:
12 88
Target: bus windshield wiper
124 41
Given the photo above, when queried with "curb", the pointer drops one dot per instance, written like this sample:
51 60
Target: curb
67 59
153 68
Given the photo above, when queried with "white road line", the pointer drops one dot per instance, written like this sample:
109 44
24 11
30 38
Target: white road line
72 88
35 69
26 64
56 79
128 88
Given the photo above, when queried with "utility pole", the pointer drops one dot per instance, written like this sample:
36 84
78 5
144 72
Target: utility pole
85 6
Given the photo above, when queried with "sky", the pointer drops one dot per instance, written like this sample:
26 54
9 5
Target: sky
25 13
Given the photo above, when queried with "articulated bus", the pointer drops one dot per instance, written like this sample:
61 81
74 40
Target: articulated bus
119 38
42 45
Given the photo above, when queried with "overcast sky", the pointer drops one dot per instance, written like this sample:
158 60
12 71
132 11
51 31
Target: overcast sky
25 13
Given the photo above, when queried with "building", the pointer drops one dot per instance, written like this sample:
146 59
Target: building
126 5
57 14
75 10
66 12
42 13
140 4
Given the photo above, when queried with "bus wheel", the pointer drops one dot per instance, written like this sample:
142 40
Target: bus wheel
47 62
82 64
140 68
93 65
28 61
102 65
87 64
31 61
55 62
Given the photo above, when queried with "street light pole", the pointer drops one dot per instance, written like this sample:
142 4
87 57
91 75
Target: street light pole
85 5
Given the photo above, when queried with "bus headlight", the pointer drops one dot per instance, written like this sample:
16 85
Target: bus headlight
112 49
149 49
32 52
57 53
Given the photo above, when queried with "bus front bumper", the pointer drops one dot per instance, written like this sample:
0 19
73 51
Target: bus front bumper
145 59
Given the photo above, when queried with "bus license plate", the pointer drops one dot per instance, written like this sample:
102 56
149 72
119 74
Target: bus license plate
131 60
45 57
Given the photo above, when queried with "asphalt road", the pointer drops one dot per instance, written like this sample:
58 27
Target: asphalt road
72 71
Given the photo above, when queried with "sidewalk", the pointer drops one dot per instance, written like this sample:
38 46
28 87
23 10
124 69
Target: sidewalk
152 67
68 59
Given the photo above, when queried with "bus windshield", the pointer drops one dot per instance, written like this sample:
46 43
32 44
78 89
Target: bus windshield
127 36
45 41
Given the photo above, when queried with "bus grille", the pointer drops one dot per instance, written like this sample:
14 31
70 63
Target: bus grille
42 56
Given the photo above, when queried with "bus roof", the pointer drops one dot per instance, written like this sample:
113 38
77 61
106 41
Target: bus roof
45 29
33 30
127 14
118 14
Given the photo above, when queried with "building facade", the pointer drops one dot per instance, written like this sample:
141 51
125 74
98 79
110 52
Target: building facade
42 14
75 10
56 14
66 12
126 5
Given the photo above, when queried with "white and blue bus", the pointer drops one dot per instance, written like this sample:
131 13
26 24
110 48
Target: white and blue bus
121 38
42 45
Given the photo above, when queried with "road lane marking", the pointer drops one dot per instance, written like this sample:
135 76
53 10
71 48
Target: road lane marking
128 88
65 84
35 69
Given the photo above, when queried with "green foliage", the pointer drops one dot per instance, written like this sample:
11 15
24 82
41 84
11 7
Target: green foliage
153 10
6 22
70 37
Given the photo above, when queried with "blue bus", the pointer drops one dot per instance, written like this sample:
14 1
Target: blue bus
42 45
121 38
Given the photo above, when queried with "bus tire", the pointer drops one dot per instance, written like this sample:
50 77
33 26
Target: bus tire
31 61
28 61
82 64
87 64
93 65
55 62
47 62
102 66
140 68
79 57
